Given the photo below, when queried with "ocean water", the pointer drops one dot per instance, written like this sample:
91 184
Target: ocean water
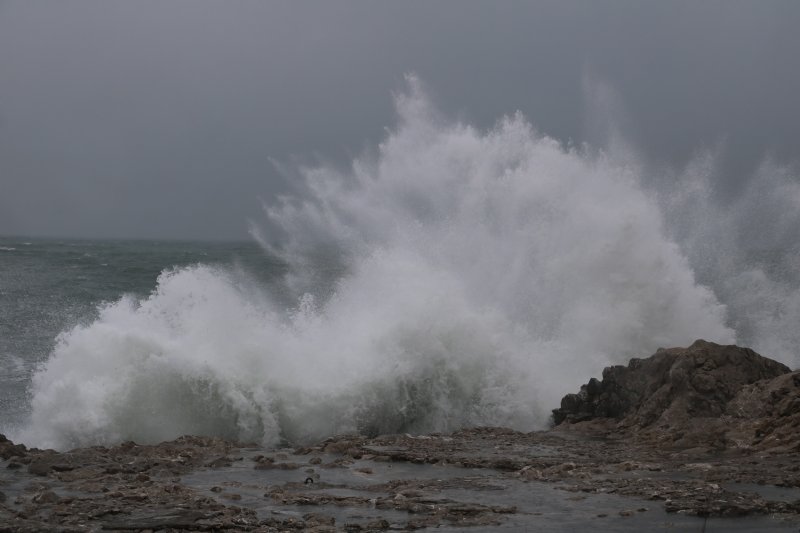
50 286
450 277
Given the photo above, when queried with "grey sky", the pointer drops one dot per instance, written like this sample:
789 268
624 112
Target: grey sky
159 118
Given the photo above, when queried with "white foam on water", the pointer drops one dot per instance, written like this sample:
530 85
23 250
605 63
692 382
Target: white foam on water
480 275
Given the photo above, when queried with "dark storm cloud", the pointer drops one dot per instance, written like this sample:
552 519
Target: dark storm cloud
159 119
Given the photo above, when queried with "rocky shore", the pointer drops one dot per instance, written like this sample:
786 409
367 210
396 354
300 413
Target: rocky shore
704 438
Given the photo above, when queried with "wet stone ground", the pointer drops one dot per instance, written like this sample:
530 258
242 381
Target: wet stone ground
478 479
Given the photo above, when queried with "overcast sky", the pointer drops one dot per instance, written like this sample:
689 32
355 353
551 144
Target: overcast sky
160 118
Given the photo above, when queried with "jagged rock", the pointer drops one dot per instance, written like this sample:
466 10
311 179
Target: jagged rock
680 388
766 414
8 449
40 468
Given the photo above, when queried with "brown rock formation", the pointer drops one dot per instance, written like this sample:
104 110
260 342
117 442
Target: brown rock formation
706 394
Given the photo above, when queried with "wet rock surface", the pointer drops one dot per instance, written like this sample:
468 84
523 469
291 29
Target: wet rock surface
481 478
697 381
706 395
615 472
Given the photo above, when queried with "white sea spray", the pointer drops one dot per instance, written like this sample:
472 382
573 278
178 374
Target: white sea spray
477 277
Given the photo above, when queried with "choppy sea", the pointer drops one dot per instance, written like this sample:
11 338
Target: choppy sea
50 286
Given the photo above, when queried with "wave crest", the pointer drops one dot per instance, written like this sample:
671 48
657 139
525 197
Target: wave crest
474 277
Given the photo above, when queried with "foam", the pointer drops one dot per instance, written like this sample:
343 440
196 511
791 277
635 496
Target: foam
475 277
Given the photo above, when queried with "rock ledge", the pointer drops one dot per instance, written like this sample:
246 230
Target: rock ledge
703 395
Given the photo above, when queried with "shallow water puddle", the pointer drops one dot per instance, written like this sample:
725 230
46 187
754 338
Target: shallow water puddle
347 491
361 491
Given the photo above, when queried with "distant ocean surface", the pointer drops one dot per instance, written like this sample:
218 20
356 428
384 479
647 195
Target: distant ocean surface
48 286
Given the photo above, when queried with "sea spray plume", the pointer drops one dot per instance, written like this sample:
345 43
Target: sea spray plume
553 238
747 248
478 276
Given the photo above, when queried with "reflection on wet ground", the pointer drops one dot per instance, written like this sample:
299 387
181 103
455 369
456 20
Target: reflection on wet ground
352 491
479 479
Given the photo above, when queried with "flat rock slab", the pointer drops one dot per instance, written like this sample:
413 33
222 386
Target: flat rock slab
161 520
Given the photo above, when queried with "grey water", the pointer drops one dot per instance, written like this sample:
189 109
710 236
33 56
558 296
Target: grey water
48 286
